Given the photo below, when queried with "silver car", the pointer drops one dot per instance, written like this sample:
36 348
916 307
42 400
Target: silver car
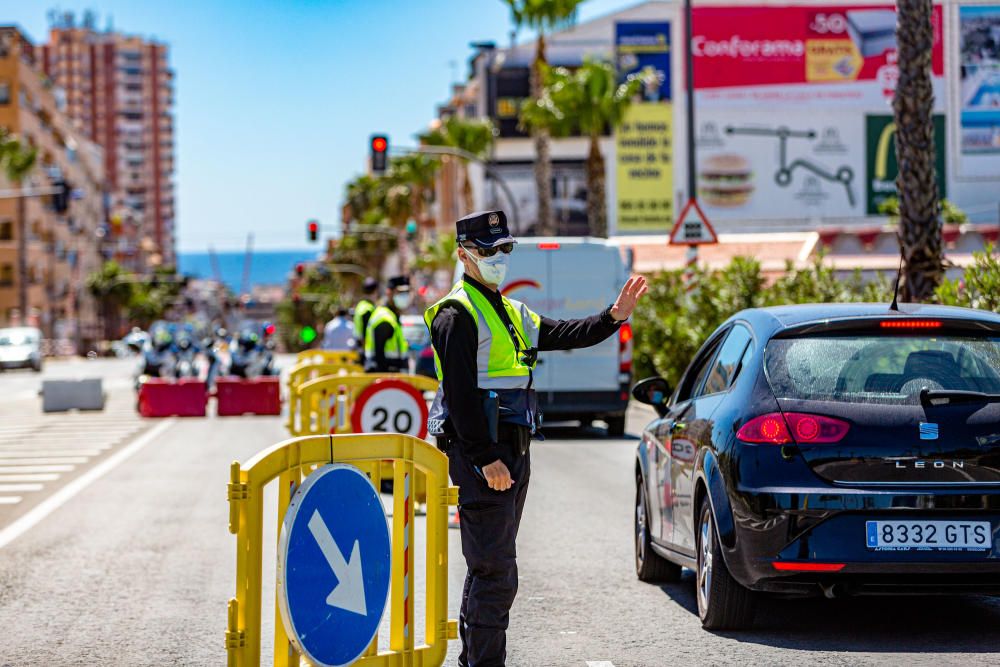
21 347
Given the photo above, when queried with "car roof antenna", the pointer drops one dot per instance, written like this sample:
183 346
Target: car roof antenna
895 289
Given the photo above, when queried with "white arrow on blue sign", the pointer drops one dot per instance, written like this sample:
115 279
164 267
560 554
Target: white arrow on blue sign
333 565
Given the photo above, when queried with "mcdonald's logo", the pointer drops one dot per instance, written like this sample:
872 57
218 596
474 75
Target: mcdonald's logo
880 154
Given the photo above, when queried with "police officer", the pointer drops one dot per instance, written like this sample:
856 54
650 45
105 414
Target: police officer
363 312
486 347
385 346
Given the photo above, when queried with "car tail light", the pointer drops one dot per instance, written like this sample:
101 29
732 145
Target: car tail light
910 324
807 567
625 348
776 428
548 246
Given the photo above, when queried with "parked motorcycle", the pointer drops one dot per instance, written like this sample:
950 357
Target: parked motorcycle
252 351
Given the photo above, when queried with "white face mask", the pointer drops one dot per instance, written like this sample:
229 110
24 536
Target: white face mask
402 300
493 269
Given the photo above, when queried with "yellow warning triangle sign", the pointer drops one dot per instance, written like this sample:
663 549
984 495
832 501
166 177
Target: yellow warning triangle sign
692 227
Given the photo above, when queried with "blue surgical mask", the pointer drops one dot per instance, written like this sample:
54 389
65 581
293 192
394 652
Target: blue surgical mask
402 300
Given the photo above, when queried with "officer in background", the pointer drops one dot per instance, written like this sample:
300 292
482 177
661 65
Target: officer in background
338 334
385 347
485 414
363 312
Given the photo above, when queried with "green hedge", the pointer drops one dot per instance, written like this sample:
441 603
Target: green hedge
670 325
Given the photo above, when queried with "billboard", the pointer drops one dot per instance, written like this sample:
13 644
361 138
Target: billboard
837 55
979 92
880 158
783 93
754 164
644 140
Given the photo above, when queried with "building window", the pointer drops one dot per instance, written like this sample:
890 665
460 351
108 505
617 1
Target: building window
4 92
6 230
6 275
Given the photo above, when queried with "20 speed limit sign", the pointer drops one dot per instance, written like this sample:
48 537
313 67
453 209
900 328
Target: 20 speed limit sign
390 406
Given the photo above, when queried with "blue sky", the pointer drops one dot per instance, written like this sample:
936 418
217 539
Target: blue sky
275 100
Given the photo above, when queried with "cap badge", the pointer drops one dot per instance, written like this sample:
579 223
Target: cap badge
494 219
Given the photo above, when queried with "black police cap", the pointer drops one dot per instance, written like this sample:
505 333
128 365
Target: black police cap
485 228
398 281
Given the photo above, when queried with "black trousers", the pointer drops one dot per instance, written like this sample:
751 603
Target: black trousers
489 521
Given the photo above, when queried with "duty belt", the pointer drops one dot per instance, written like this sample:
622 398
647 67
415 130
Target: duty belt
515 435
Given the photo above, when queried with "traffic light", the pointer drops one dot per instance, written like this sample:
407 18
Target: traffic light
312 230
379 154
300 269
60 200
411 230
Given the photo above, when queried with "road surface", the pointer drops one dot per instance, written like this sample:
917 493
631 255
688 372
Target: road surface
136 565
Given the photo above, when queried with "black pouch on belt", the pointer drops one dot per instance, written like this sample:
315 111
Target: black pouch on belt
518 437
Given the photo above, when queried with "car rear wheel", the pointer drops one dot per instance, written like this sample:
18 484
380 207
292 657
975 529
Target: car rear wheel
649 565
723 604
616 426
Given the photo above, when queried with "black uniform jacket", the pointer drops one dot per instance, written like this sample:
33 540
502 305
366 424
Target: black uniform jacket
455 339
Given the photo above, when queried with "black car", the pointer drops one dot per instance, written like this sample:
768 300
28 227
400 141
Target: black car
835 449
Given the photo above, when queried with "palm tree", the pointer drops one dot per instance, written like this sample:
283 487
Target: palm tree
542 16
418 173
112 287
913 104
17 162
472 136
591 101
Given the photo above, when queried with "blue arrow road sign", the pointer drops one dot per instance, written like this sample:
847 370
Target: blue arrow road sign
333 565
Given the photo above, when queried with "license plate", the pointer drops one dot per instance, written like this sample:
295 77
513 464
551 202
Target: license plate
936 535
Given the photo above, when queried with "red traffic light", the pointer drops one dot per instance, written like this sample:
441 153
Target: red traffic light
379 144
313 226
300 269
312 230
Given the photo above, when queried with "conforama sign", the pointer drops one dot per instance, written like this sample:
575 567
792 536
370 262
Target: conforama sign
740 46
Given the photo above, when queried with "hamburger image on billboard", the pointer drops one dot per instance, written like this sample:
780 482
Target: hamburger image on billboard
725 180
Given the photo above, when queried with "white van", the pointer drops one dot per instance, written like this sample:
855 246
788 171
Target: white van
569 278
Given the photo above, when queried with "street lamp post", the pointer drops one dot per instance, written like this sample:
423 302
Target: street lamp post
691 260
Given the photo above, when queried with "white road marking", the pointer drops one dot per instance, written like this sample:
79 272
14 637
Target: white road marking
59 498
42 460
32 453
19 488
10 500
17 469
599 663
46 477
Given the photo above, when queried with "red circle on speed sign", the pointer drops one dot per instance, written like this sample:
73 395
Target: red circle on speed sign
390 406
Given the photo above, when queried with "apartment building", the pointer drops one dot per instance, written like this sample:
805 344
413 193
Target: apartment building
48 252
119 93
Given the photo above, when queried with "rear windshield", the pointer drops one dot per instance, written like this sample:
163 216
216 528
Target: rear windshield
880 369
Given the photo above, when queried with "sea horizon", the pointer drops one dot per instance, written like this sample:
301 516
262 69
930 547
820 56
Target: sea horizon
267 267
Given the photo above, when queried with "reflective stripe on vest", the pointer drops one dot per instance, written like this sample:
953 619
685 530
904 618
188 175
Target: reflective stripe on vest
498 365
396 347
364 307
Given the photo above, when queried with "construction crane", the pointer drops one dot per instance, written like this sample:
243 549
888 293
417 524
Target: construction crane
214 261
247 261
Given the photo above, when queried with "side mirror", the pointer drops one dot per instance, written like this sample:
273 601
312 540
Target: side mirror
653 391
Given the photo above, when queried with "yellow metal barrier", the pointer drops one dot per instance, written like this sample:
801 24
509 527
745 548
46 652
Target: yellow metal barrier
303 372
342 357
323 405
291 460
